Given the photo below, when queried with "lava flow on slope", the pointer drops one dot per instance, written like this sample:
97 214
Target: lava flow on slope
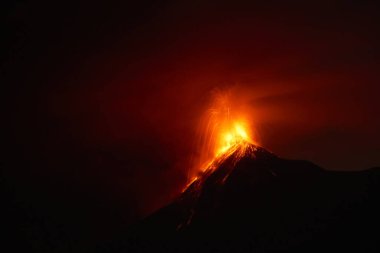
225 137
210 182
227 141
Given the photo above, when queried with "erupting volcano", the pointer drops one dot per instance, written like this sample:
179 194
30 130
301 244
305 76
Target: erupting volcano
234 143
244 198
190 126
224 132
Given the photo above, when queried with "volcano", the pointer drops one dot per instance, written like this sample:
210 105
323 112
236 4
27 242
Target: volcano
250 200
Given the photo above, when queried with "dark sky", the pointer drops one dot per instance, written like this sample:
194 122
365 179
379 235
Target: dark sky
102 101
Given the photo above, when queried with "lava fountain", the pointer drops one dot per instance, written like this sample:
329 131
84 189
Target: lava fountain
225 128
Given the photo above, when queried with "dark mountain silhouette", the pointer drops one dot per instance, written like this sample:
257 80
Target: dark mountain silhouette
253 201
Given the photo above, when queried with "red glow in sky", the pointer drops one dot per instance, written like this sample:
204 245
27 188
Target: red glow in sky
118 96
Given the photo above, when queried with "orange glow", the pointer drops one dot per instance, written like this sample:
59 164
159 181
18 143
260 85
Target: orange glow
232 136
225 127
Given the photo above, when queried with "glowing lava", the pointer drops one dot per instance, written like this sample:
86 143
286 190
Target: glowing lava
235 135
225 129
226 139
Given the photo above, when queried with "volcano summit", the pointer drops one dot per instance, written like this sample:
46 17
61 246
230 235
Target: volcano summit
250 200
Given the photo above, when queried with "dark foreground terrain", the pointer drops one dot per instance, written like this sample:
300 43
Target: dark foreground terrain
257 202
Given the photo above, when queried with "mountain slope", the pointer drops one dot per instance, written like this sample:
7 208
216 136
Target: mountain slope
251 200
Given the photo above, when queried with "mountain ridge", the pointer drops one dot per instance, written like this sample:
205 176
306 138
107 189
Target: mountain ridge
265 203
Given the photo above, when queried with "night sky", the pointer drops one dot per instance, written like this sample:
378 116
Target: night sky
102 101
